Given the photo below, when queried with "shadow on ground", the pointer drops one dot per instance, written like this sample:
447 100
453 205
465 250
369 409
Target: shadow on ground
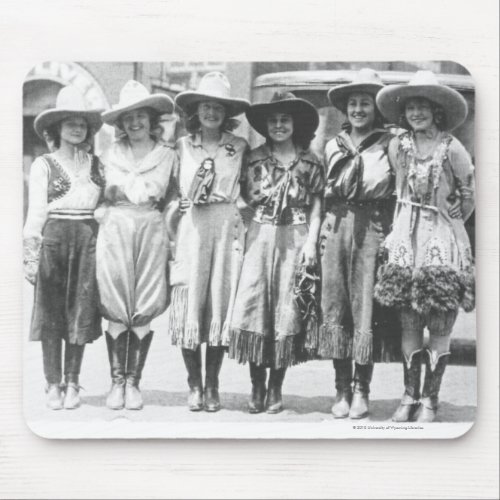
380 409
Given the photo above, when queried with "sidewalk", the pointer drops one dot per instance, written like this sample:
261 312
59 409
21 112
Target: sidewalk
308 388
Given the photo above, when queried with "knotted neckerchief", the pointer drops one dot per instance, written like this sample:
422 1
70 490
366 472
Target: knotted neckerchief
354 181
200 188
279 194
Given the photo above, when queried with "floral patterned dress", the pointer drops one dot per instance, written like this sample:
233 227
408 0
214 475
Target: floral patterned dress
429 259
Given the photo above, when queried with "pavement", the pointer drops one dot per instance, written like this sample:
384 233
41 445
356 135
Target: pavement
308 392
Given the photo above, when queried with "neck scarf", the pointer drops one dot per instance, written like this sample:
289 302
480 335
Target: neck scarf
352 184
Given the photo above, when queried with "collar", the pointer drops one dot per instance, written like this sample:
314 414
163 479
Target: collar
195 139
264 153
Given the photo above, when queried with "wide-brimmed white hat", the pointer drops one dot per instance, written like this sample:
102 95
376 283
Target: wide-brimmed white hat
135 95
365 80
69 103
214 86
423 83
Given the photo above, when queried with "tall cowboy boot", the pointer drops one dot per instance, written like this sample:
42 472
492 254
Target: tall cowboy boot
258 375
117 354
52 352
274 403
362 379
137 354
192 360
73 357
343 381
409 402
432 383
214 358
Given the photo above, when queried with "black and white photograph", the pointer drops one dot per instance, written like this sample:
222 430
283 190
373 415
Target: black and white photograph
269 249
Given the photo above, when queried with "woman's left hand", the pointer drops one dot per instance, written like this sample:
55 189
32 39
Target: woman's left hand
455 209
309 254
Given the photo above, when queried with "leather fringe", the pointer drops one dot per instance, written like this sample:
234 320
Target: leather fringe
246 346
363 347
335 342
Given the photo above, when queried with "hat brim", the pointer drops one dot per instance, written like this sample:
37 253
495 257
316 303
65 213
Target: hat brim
234 106
391 99
305 116
338 95
159 102
51 116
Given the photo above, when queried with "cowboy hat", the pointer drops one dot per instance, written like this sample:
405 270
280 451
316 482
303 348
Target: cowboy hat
135 95
305 116
365 80
423 83
214 86
69 103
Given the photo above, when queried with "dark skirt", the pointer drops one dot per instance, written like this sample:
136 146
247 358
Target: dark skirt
66 301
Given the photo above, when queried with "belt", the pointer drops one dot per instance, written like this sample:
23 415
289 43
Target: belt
72 214
291 216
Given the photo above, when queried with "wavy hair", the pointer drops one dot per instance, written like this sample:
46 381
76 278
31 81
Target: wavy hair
438 115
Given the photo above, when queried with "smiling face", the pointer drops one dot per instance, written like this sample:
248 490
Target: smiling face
136 124
74 130
280 127
211 114
361 110
418 114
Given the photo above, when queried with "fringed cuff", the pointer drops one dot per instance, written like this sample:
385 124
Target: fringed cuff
182 334
216 335
363 347
437 288
394 286
335 341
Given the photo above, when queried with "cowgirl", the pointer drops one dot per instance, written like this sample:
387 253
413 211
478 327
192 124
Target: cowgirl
211 233
132 246
283 181
359 185
429 273
59 243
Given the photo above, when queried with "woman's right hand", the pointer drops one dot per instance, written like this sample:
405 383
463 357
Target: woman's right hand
184 204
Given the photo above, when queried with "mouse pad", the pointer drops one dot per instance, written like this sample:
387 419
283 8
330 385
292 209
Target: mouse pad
278 250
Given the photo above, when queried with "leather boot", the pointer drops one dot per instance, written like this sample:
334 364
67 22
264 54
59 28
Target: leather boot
274 403
73 357
117 354
362 379
52 353
136 359
54 396
343 381
214 358
409 402
192 360
258 375
432 383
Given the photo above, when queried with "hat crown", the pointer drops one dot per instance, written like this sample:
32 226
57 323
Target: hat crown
282 95
70 98
215 84
132 92
424 77
367 75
